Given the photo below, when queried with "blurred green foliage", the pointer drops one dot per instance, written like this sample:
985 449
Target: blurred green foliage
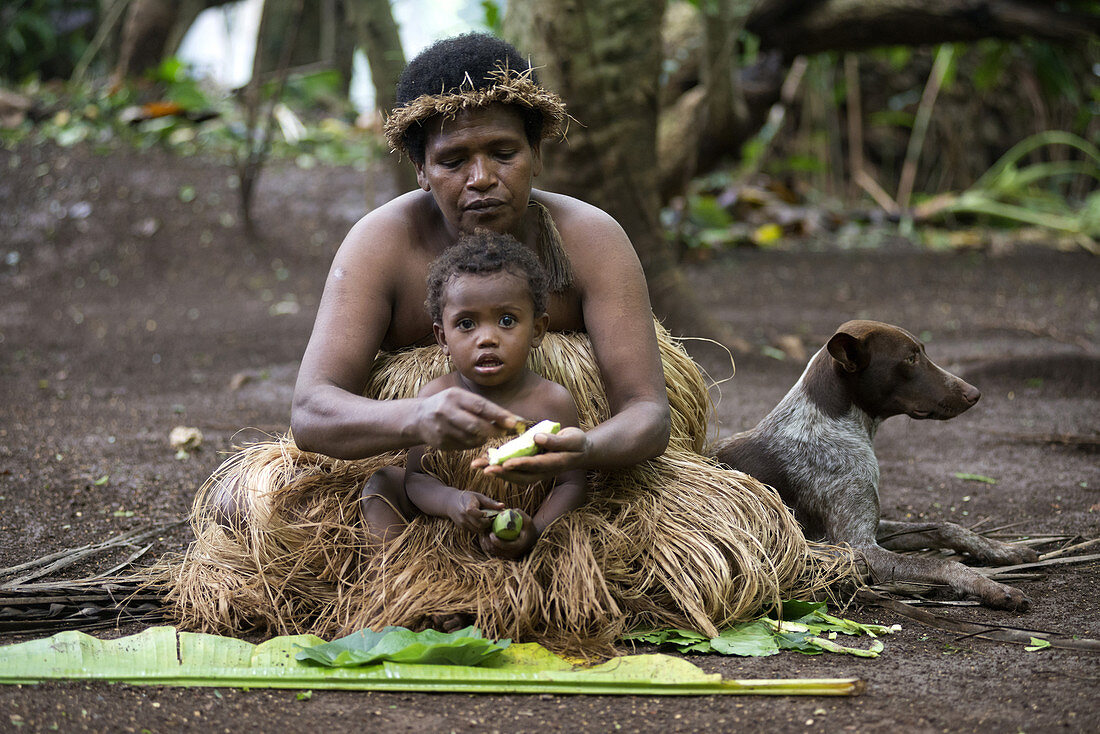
43 37
211 121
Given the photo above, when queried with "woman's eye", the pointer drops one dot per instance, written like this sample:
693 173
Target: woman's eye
507 320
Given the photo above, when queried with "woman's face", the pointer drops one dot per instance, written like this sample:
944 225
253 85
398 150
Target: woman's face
479 167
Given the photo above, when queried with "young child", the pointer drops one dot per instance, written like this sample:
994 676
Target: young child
487 298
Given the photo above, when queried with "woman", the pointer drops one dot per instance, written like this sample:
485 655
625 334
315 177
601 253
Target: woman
668 537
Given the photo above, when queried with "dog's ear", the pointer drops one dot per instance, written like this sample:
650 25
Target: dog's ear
848 351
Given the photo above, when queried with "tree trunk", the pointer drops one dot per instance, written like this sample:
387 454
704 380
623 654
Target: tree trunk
798 27
709 121
153 30
603 57
308 51
377 33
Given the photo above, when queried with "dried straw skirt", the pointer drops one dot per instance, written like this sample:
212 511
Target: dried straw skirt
676 541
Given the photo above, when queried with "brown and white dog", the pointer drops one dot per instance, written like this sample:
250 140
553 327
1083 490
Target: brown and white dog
815 448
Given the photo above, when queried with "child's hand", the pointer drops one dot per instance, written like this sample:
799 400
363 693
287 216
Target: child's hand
466 510
511 549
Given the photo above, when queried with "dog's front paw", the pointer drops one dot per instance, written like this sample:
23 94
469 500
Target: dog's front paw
999 596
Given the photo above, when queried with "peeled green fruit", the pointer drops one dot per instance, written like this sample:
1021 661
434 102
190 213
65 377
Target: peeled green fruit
523 445
507 525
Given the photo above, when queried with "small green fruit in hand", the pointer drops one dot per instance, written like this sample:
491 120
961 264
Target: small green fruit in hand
522 445
507 524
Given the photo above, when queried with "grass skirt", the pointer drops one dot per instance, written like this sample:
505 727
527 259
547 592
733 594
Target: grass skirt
675 541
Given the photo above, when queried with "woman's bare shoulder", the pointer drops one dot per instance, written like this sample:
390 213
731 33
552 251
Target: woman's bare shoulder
573 215
392 227
596 244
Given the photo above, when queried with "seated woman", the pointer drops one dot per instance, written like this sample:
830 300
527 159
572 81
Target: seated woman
677 539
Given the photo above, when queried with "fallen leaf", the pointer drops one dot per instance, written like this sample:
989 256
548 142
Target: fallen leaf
185 438
975 478
1037 643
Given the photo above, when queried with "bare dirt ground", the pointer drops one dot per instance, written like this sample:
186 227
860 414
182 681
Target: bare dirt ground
132 304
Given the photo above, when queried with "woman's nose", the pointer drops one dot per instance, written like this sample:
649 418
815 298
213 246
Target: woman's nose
481 173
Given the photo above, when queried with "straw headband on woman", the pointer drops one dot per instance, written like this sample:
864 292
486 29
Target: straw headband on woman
505 86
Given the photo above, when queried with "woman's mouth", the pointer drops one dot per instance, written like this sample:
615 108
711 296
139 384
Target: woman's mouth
484 205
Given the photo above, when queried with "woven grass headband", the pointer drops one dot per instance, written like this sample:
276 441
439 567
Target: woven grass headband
508 87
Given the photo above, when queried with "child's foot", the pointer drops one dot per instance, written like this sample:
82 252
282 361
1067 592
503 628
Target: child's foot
449 622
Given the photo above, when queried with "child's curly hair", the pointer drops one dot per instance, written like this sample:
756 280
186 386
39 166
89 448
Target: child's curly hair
485 253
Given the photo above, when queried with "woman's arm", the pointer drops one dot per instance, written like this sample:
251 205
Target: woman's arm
329 413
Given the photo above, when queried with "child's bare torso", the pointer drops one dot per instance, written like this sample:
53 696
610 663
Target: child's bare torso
530 396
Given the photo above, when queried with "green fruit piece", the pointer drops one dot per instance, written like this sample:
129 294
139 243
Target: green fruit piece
507 525
522 445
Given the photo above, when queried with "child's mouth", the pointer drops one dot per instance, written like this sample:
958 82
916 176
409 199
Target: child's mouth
488 363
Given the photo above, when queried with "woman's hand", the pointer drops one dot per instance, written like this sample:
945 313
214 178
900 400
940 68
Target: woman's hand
511 550
458 419
558 453
466 507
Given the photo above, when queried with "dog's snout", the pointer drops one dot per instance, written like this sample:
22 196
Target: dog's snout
971 394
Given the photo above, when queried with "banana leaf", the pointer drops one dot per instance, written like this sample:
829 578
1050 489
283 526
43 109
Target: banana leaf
164 656
401 645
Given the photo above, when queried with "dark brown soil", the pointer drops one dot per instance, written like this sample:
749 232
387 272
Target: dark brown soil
128 308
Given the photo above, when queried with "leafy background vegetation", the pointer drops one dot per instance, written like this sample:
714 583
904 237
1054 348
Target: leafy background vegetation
793 183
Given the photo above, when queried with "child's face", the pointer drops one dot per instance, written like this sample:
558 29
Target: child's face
489 326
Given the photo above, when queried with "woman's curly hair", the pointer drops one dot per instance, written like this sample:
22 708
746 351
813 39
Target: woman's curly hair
465 63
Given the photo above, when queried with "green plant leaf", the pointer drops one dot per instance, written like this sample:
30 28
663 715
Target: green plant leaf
400 645
1037 643
795 610
653 637
975 478
799 642
811 633
752 639
163 656
830 646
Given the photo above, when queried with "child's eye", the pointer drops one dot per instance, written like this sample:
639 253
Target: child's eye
507 320
465 324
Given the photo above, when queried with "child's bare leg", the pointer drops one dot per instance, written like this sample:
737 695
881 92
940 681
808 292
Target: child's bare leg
448 622
225 499
384 505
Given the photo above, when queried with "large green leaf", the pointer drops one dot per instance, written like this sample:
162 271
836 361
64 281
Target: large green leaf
163 656
401 645
753 639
